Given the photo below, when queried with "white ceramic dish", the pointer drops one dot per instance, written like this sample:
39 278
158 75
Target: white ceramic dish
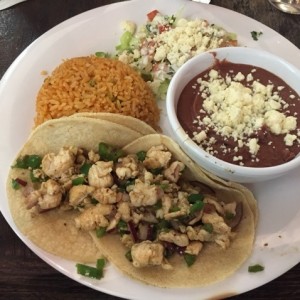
99 30
240 55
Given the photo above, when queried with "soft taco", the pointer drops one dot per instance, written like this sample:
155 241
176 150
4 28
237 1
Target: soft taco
199 247
54 230
127 121
147 207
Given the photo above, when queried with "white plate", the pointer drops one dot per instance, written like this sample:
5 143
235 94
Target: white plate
99 30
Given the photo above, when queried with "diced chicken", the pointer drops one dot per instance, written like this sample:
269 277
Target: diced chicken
124 210
217 222
105 195
100 174
93 157
143 194
230 208
136 218
55 166
194 248
215 203
147 253
114 222
38 173
149 218
94 217
47 197
183 206
174 171
198 234
127 240
222 240
32 199
127 167
148 177
179 239
157 157
166 202
79 193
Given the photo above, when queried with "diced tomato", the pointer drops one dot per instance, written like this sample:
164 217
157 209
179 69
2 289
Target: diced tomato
148 44
152 14
162 28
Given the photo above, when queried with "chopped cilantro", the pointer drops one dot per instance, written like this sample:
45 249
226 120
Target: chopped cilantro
255 268
256 34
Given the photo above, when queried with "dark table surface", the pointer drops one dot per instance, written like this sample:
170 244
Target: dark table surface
23 275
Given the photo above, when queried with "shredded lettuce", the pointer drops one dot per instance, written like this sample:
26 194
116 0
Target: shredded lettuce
162 90
125 41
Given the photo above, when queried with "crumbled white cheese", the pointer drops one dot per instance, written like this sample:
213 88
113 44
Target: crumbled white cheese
253 146
239 77
236 158
238 111
199 137
249 77
289 139
179 43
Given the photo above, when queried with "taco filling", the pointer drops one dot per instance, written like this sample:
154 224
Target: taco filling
141 197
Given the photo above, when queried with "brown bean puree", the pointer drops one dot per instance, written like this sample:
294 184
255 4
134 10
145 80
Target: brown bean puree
242 114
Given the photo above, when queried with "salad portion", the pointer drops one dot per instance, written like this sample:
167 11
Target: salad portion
164 43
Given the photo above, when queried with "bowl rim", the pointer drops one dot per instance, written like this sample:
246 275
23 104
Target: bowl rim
186 142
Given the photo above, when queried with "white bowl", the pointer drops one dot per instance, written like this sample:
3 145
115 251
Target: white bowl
255 57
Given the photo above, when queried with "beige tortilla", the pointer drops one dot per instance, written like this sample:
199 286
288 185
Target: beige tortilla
213 263
127 121
55 231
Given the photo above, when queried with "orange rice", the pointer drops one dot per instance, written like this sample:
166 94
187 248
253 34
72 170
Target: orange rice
93 84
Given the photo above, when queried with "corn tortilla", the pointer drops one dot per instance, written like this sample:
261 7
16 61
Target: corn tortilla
213 264
55 231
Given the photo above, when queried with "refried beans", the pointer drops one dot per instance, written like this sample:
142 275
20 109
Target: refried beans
242 114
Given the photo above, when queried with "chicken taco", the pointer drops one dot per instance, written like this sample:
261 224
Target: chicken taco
175 227
145 205
38 182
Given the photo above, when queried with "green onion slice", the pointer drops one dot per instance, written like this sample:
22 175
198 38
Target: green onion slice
100 231
163 225
192 198
122 227
28 161
255 268
100 263
88 271
128 255
84 169
78 180
208 227
197 206
189 259
35 179
15 184
107 153
141 155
